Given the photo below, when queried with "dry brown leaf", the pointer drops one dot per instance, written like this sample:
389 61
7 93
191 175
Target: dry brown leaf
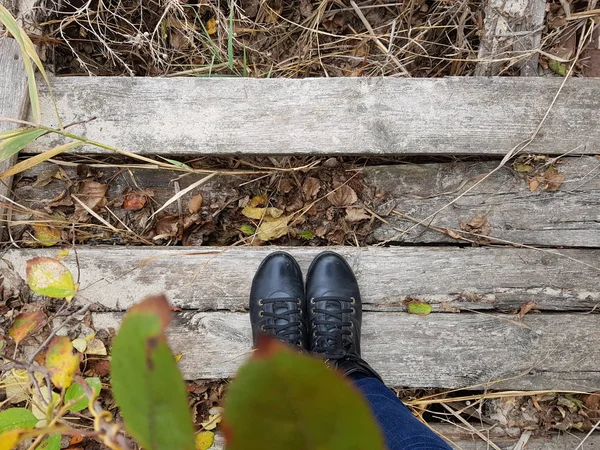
356 214
533 184
273 229
478 224
453 234
343 196
285 186
166 225
311 187
195 203
267 214
525 308
134 201
92 194
552 181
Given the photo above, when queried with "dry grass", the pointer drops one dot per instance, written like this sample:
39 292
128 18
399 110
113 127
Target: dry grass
263 38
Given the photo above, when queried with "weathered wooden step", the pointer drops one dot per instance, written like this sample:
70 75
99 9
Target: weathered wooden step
457 116
451 279
544 351
460 439
567 217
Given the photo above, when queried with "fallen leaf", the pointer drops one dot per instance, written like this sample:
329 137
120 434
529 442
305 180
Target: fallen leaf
212 422
11 284
211 26
533 184
101 368
525 308
258 200
308 235
285 186
356 214
195 203
80 344
46 235
342 196
453 234
311 187
16 384
248 230
9 439
552 181
592 403
417 307
61 362
166 225
48 276
96 347
524 168
204 440
478 224
266 214
42 409
25 323
273 229
134 201
92 194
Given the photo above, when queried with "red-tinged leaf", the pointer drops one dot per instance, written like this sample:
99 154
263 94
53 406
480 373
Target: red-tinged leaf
134 201
62 363
25 323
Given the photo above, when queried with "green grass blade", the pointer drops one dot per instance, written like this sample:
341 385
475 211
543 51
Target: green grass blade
37 159
12 145
230 37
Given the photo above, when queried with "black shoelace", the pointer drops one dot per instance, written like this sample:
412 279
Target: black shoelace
335 340
287 331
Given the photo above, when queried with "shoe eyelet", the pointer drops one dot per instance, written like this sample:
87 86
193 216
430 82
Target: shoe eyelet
262 328
261 314
260 302
353 302
313 310
298 302
352 311
314 334
312 301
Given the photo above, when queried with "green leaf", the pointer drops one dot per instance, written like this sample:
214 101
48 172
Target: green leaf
48 276
308 235
299 401
248 230
16 143
175 163
75 392
14 418
557 67
420 308
147 385
52 443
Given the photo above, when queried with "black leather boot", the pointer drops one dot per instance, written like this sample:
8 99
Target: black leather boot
334 311
277 301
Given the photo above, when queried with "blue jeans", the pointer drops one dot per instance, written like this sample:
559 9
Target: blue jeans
402 430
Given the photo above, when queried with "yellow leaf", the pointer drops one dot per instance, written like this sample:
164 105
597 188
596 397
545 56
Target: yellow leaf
96 347
258 200
204 440
211 26
80 344
9 439
266 214
16 383
25 323
178 357
47 276
38 408
212 422
46 235
273 229
61 362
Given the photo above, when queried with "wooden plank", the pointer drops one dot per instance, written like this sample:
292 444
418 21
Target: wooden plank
568 217
193 116
212 278
545 351
13 102
511 28
461 440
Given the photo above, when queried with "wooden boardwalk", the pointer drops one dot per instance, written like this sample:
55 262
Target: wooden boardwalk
542 246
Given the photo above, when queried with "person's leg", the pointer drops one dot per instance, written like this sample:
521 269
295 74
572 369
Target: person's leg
402 430
334 321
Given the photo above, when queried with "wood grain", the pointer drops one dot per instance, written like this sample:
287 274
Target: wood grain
511 29
567 217
460 439
221 116
212 278
13 102
545 351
